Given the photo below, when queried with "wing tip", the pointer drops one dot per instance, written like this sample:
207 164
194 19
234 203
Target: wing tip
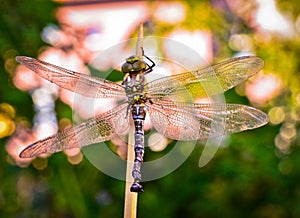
25 154
256 64
262 118
260 63
29 152
265 119
22 59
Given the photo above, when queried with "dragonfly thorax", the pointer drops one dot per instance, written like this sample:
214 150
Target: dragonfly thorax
136 98
134 87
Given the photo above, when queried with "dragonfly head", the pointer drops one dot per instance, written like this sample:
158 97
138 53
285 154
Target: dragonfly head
133 64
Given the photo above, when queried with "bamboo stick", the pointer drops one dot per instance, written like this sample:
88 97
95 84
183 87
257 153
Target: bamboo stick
130 204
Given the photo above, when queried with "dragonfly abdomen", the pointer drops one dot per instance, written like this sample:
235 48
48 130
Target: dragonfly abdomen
138 114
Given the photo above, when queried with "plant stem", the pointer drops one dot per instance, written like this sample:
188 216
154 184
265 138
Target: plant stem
130 204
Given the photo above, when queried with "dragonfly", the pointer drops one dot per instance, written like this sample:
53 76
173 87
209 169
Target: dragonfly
177 120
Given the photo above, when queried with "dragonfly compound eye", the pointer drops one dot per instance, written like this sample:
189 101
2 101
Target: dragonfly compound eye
139 65
133 64
127 67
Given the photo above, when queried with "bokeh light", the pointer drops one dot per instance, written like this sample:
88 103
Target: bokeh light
7 125
276 115
172 13
157 142
279 23
200 41
22 137
263 88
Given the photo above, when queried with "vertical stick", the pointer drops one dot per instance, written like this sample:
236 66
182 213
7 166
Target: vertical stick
140 42
130 204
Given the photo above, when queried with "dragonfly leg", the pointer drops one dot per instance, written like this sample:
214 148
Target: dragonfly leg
150 68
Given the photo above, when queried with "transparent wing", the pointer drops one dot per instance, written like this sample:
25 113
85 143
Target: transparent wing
185 121
229 73
101 128
76 82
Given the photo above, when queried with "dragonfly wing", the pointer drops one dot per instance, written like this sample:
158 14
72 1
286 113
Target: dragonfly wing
83 84
202 82
185 121
101 128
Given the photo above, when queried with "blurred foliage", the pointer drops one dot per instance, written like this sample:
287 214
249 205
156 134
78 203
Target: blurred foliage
248 178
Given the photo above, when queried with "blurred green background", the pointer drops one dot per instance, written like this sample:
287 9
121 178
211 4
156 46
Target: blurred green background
256 175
